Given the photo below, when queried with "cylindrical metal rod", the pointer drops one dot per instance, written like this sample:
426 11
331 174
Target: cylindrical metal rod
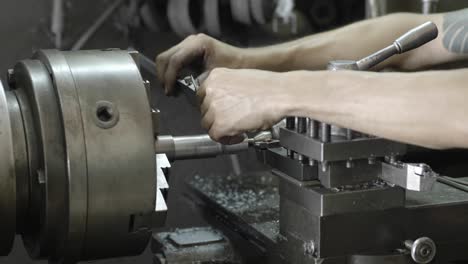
302 125
376 58
325 135
194 147
290 124
313 128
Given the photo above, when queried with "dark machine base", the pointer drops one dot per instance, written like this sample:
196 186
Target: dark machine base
247 210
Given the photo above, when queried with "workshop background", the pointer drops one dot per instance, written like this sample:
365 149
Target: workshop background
29 25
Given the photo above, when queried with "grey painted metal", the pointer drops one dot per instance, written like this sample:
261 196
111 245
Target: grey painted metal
7 179
108 76
381 231
194 147
88 179
24 226
413 39
75 151
21 160
35 79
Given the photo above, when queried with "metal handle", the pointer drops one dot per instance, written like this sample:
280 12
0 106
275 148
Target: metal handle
416 37
413 39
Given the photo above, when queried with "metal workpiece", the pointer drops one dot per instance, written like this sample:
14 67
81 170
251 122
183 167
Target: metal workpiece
413 177
195 147
413 39
73 126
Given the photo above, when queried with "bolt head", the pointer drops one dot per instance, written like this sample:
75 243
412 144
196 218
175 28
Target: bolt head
423 250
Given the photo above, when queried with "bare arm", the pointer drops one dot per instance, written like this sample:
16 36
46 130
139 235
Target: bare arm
360 39
429 109
314 52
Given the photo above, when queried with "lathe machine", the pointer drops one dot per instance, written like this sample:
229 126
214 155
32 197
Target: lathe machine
83 165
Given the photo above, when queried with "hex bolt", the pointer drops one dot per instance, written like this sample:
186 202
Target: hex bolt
313 129
423 250
302 125
349 164
312 162
325 134
290 124
371 160
301 128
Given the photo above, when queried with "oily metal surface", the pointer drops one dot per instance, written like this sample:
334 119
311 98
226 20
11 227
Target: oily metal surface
35 79
7 179
75 152
21 160
120 154
248 204
30 222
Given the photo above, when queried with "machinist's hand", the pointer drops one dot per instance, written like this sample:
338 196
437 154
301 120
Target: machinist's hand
196 48
237 101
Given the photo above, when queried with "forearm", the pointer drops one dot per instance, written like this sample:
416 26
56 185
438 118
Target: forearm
427 109
352 42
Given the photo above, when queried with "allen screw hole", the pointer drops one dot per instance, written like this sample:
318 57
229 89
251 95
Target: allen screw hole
104 113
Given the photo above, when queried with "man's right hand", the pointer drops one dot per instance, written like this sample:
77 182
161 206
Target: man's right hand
211 52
